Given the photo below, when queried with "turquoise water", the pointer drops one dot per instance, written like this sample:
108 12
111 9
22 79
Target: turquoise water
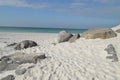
39 30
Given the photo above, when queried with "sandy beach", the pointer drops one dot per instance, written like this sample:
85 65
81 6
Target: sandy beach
84 59
16 37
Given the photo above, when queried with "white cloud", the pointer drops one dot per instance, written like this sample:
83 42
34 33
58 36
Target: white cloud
101 11
75 4
107 1
99 1
93 8
21 3
76 7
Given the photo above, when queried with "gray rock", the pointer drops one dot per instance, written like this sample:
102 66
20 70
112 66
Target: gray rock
11 62
54 44
6 65
12 44
25 44
103 33
110 49
36 58
21 58
74 38
118 31
11 66
20 71
109 57
9 77
3 66
4 58
112 52
64 36
115 58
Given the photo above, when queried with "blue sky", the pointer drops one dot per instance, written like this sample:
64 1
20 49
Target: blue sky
60 13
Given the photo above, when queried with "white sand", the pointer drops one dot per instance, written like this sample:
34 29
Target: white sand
8 38
84 59
117 27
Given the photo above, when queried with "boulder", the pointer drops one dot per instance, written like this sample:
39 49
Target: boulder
25 44
103 33
64 36
7 64
118 31
74 37
9 77
11 66
12 44
20 71
11 62
21 58
3 66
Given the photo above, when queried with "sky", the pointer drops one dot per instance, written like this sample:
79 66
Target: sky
60 13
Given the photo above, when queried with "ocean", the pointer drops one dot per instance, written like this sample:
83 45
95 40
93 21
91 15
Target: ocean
38 30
